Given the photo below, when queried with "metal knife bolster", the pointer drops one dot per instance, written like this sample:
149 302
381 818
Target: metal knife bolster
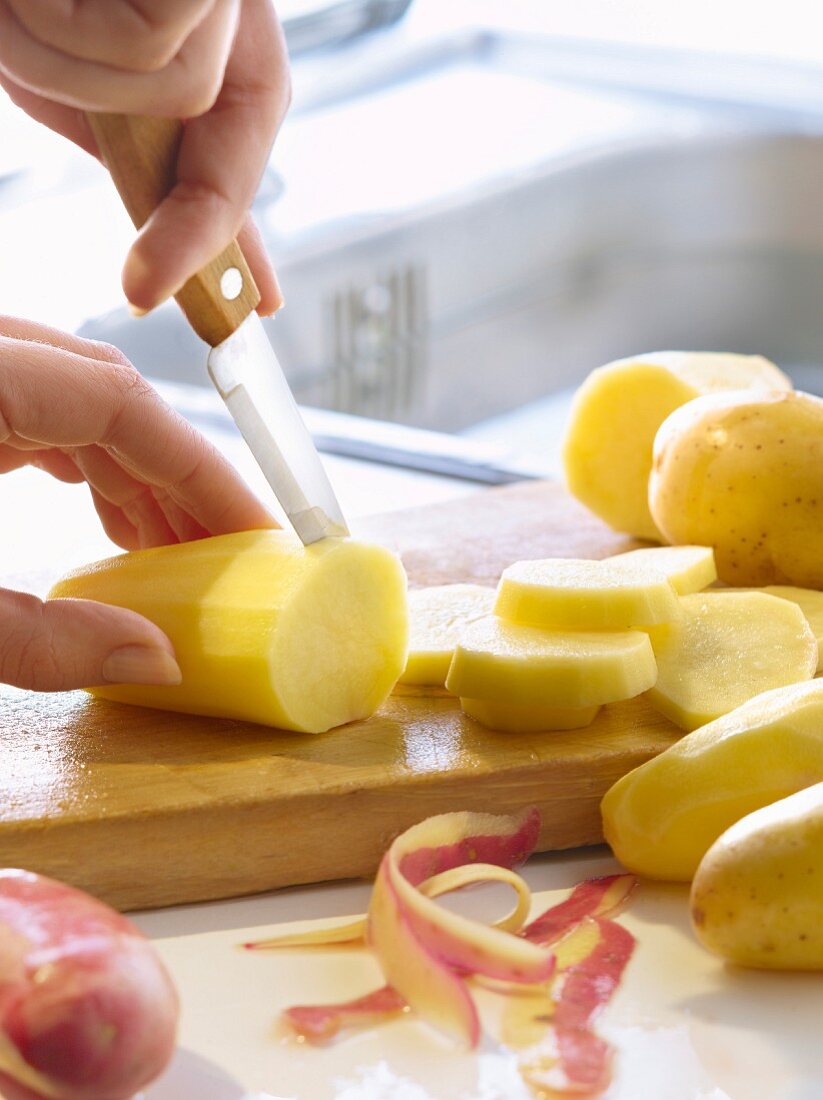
247 375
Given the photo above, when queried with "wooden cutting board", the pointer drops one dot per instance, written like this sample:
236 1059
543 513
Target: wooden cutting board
147 808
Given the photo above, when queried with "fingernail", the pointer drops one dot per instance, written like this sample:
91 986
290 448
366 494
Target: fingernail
279 291
139 282
141 664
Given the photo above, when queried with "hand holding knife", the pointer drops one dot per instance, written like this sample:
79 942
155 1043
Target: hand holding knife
219 302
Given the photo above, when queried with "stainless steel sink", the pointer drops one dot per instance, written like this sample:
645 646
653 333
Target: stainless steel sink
525 226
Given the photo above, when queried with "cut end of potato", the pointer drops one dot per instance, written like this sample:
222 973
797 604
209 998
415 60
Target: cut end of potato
342 639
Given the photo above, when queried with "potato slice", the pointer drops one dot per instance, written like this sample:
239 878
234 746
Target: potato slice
725 648
688 568
661 818
507 663
607 451
520 718
810 602
757 897
436 617
576 594
266 630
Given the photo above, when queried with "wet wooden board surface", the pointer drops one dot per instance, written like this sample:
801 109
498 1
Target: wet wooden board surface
148 808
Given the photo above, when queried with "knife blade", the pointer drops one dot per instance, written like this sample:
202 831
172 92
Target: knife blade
247 375
220 303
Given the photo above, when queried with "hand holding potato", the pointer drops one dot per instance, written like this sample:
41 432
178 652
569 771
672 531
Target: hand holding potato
81 412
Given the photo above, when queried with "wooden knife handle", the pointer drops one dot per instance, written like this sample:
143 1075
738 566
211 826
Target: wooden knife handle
141 154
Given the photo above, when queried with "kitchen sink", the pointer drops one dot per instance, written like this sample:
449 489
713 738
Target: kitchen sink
520 225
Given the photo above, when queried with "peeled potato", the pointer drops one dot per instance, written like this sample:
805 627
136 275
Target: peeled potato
743 473
810 603
436 617
264 629
575 594
687 568
661 818
506 663
757 897
607 451
725 648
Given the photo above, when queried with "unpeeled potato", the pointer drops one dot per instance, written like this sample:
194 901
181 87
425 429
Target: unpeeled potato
757 897
607 452
743 472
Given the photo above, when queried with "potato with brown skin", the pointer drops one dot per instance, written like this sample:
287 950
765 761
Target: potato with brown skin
757 897
743 472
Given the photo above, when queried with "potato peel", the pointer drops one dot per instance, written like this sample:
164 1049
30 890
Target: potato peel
430 956
574 1059
456 878
423 949
597 897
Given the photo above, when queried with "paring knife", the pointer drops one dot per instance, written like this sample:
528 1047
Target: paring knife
220 302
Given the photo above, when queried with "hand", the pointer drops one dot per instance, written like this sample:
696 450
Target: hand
81 412
220 64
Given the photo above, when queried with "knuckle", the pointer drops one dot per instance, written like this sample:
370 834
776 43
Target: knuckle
111 354
129 382
130 388
197 95
197 193
28 658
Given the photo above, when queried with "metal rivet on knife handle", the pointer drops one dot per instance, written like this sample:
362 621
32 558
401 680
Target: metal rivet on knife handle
141 154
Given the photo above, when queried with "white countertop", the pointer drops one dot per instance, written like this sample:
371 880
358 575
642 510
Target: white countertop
684 1026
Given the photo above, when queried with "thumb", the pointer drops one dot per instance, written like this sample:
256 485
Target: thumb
63 644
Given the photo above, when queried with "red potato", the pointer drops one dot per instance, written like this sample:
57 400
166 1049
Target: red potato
87 1009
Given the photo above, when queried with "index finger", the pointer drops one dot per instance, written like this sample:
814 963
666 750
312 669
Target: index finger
55 397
